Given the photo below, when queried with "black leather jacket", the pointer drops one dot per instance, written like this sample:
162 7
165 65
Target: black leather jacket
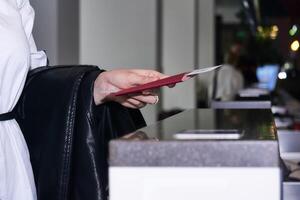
67 134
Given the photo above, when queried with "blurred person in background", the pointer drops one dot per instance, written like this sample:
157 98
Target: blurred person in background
228 79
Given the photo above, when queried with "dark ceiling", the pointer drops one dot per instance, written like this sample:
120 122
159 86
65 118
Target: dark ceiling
280 8
292 7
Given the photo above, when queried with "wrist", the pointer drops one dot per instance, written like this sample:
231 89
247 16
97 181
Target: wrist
100 91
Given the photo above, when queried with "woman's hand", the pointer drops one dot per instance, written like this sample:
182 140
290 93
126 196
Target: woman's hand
115 80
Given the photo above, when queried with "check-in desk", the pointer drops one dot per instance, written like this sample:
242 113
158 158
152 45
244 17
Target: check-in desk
168 161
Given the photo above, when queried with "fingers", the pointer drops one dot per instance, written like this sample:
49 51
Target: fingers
171 86
152 92
136 103
139 76
148 99
136 79
128 102
129 105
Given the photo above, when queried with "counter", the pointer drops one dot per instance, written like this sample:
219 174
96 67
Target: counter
154 163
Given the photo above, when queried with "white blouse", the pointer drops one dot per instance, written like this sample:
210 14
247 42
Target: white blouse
229 82
18 54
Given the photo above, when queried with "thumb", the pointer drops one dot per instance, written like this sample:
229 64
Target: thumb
140 79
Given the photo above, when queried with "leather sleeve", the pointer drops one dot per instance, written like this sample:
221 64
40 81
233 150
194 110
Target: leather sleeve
67 134
96 125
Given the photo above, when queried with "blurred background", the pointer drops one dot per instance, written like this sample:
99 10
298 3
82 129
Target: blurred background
256 40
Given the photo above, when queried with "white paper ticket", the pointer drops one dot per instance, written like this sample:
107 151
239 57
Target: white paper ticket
203 70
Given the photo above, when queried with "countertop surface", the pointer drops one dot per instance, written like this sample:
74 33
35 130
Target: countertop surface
256 143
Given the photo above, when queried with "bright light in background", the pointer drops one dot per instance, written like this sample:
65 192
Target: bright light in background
268 31
274 32
295 45
282 75
293 30
273 35
275 28
260 29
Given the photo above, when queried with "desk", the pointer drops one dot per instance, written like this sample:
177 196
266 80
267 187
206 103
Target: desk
151 164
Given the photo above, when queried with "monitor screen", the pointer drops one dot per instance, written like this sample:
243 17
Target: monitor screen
267 76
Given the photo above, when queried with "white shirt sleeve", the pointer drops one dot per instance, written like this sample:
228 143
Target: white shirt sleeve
37 58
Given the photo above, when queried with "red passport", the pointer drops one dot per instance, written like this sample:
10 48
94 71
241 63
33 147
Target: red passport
164 82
